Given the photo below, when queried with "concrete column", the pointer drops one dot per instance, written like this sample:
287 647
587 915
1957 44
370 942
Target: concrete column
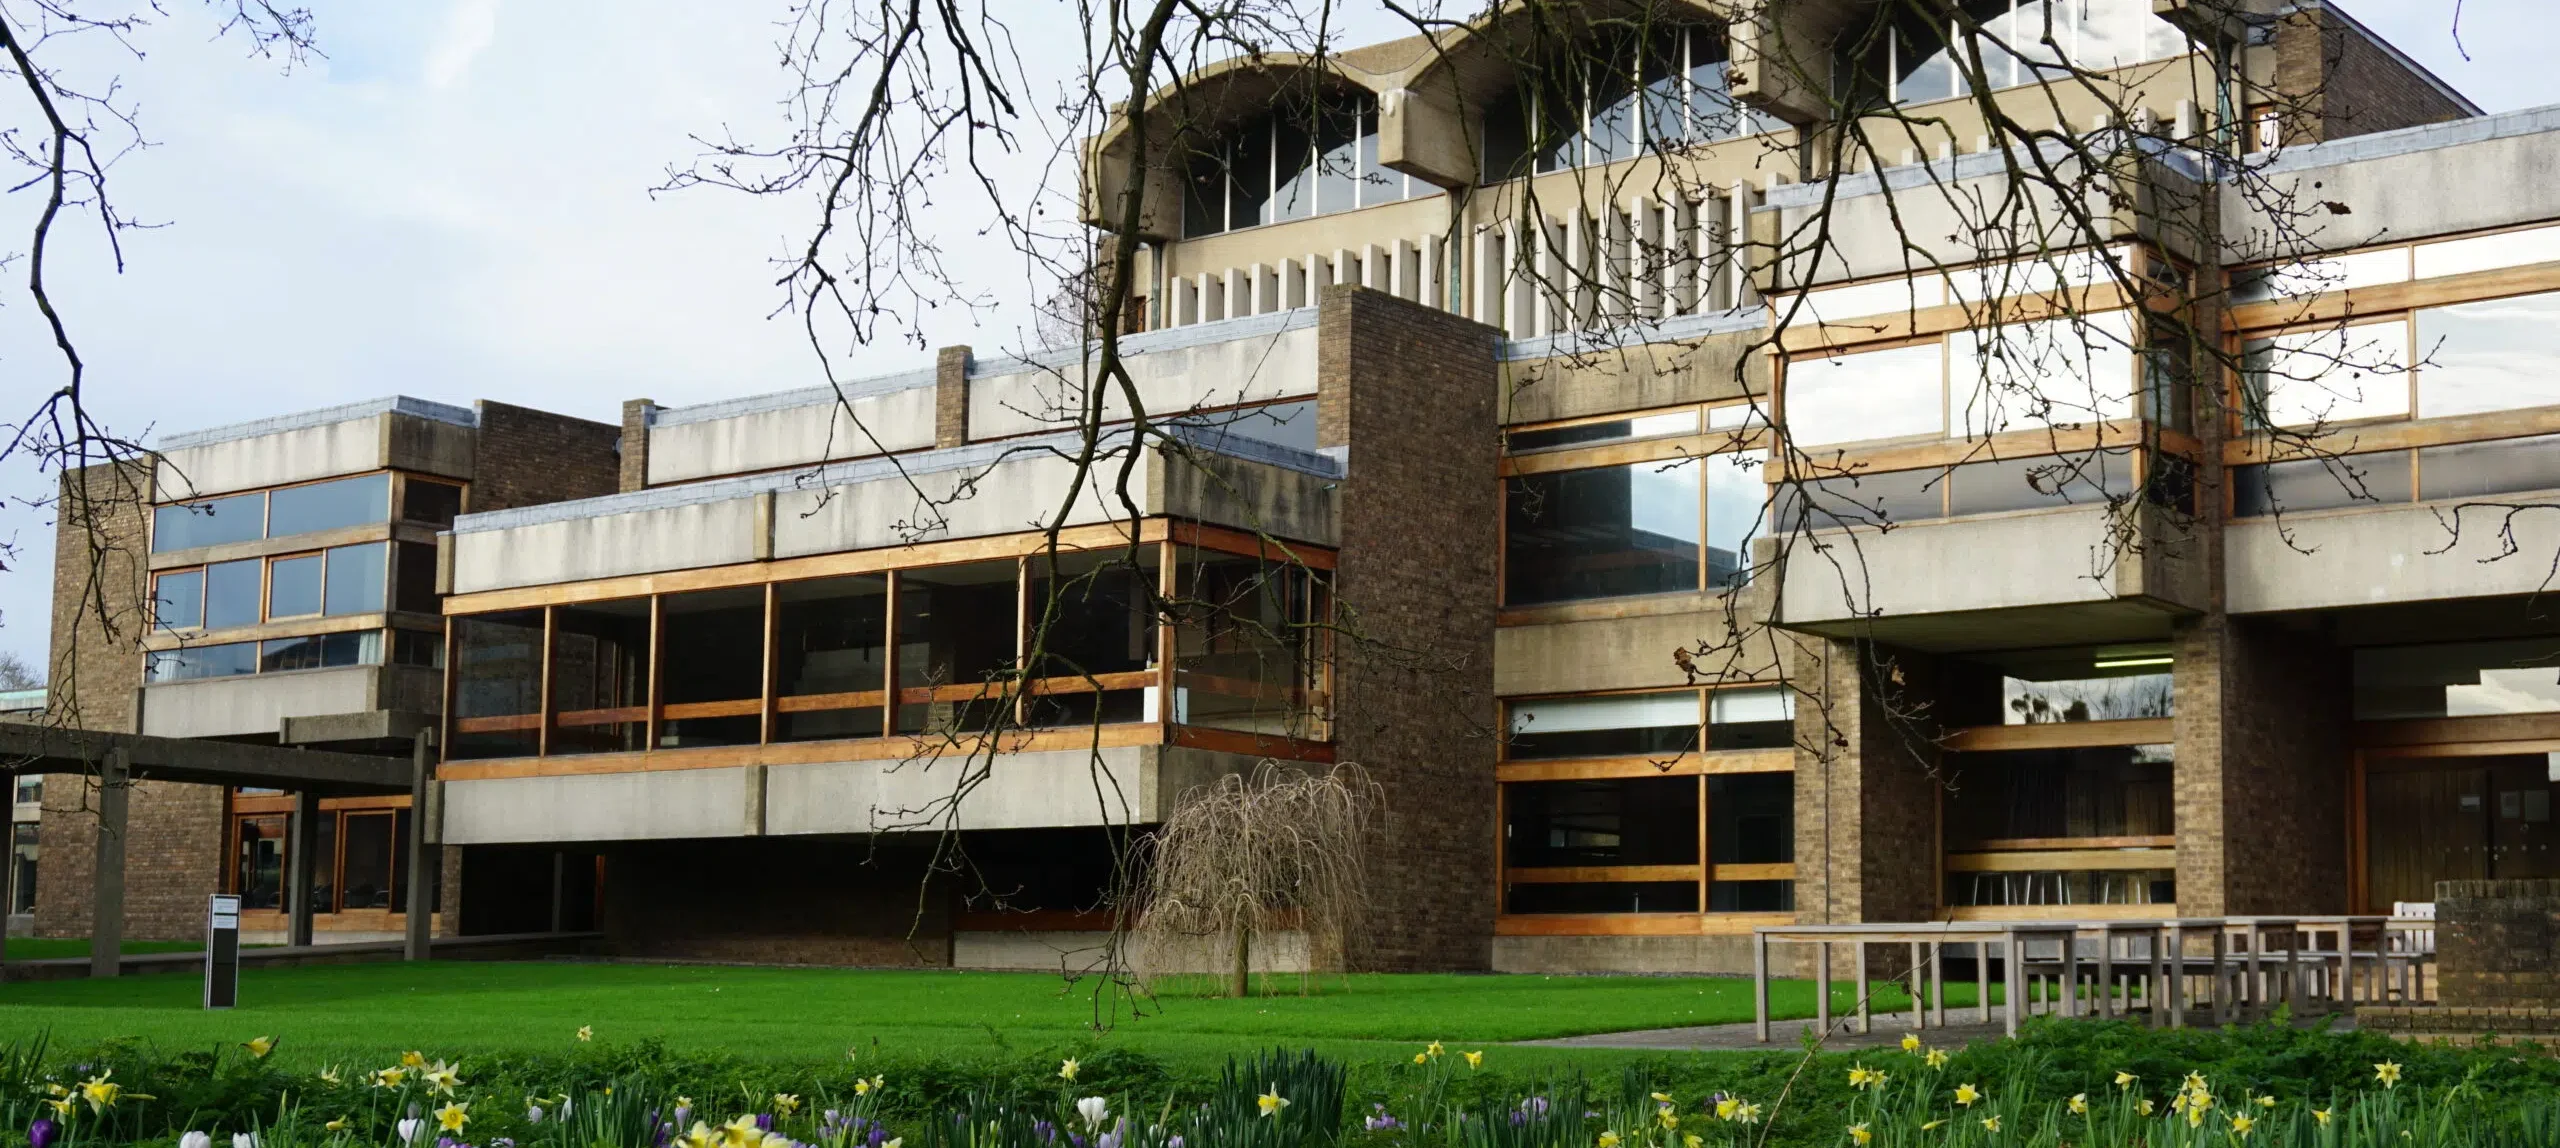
106 901
302 843
420 908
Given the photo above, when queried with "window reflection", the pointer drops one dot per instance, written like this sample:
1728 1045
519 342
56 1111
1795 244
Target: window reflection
1751 820
1614 821
2458 679
600 676
1603 532
1249 645
231 592
178 600
329 505
957 628
714 654
1615 725
2334 374
497 684
1894 393
2054 372
831 643
208 522
357 578
2493 355
1306 158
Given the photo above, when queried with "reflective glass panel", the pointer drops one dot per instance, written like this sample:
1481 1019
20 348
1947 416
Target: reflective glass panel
1898 393
497 673
2320 483
368 860
2021 376
357 578
1603 532
2039 483
231 593
208 522
2477 469
1247 655
714 652
217 661
293 586
1737 497
1615 821
957 628
2494 355
2334 374
329 505
600 676
1608 430
2460 679
178 600
1616 725
1759 717
831 639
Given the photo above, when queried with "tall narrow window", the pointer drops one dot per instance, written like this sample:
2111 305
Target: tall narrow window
1246 647
711 672
497 684
600 676
1093 615
831 657
956 634
1751 832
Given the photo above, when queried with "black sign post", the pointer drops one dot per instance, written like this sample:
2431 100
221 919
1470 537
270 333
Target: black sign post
222 952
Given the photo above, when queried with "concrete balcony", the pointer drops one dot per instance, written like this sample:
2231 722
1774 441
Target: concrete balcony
1025 790
2378 555
254 705
2057 577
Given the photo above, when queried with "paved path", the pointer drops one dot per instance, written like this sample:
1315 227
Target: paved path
1787 1035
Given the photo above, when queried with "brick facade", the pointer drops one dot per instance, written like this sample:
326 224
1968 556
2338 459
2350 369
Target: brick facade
1866 783
634 461
528 457
951 397
2498 944
2334 79
2261 769
1411 392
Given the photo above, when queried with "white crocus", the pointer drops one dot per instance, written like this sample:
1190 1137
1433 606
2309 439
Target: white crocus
408 1128
533 1114
244 1140
1095 1110
195 1140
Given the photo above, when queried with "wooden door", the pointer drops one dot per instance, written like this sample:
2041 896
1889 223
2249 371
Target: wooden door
2424 825
2522 840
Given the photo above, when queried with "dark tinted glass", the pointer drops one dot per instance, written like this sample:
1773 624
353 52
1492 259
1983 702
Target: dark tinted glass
498 672
1606 897
417 648
219 661
1751 818
2320 483
231 593
430 502
414 583
1097 612
2108 791
599 672
1751 896
359 648
1291 425
356 578
329 505
1601 533
183 526
830 637
1991 486
178 600
293 586
1618 725
955 628
1618 821
1248 176
289 654
714 653
2479 469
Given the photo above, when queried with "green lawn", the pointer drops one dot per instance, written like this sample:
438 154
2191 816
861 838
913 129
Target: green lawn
361 1013
48 948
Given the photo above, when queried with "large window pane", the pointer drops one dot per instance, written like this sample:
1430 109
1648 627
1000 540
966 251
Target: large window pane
414 582
210 522
329 505
2039 483
497 673
1862 498
1617 821
1601 533
231 593
1602 897
956 633
178 600
714 653
1759 717
1751 820
831 639
1898 393
1093 616
434 503
1607 430
1247 648
216 661
2331 375
258 871
1737 492
2103 798
2459 679
321 651
2494 355
2320 483
2477 469
370 846
293 586
2021 376
1338 131
357 578
600 676
1618 725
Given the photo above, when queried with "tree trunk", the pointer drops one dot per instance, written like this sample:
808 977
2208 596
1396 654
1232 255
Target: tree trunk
1236 985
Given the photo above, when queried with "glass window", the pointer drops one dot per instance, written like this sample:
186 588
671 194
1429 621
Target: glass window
417 648
1604 532
2459 679
1655 725
714 652
497 673
957 628
1616 821
293 586
329 505
1098 614
1751 820
216 661
1897 393
211 522
2053 372
1247 647
1602 897
178 600
1736 494
231 593
354 648
600 676
2493 355
2477 469
413 585
258 871
2331 375
2104 797
1760 717
1607 430
429 501
2320 483
830 642
1307 157
1865 498
1292 425
356 578
2039 483
23 854
368 865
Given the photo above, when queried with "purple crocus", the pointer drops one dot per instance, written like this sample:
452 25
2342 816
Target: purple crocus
1382 1120
876 1137
1047 1132
764 1122
41 1133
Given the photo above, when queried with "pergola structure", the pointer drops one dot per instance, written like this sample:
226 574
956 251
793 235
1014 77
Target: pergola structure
117 760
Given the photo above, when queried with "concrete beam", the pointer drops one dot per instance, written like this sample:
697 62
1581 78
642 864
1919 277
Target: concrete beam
44 749
364 725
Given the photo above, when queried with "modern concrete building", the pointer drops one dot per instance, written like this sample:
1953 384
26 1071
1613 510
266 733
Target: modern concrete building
1669 581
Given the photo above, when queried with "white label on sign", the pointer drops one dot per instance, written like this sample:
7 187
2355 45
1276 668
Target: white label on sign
226 921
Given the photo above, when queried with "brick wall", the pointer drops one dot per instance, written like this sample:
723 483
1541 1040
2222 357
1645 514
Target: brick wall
633 465
2261 767
1866 800
2498 944
173 858
951 396
2335 80
528 457
1412 392
775 900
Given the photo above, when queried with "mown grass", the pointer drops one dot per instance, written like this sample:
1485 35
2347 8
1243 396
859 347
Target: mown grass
360 1013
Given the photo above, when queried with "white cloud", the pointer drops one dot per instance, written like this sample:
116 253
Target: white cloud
469 27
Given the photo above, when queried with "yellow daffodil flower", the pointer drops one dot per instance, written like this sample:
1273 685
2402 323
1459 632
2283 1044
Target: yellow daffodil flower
2195 1080
62 1107
56 1089
1967 1094
586 1032
100 1092
1662 1098
2079 1103
337 1125
1692 1140
2241 1126
329 1075
699 1136
2321 1115
1067 1069
1859 1075
413 1059
1666 1117
1933 1125
1435 1049
1272 1102
2266 1102
867 1087
2143 1106
442 1078
1475 1059
785 1104
2125 1079
2388 1072
1422 1058
1990 1123
390 1077
1608 1140
1747 1114
2195 1118
1937 1058
1910 1043
1726 1107
741 1133
1859 1133
453 1116
259 1046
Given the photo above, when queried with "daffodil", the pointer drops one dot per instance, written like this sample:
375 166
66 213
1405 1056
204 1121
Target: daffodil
1435 1049
1859 1075
100 1092
1608 1140
1662 1098
1272 1102
1911 1042
2321 1115
2125 1079
1990 1123
1726 1107
329 1075
442 1078
2388 1072
2266 1102
1067 1069
1747 1114
586 1032
741 1133
388 1077
337 1125
259 1046
1692 1140
413 1059
2079 1103
863 1087
2143 1106
453 1116
1937 1058
785 1104
1967 1094
2241 1126
62 1106
1860 1133
1933 1125
1475 1059
699 1136
1667 1117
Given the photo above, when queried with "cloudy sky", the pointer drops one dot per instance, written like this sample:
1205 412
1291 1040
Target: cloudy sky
455 204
